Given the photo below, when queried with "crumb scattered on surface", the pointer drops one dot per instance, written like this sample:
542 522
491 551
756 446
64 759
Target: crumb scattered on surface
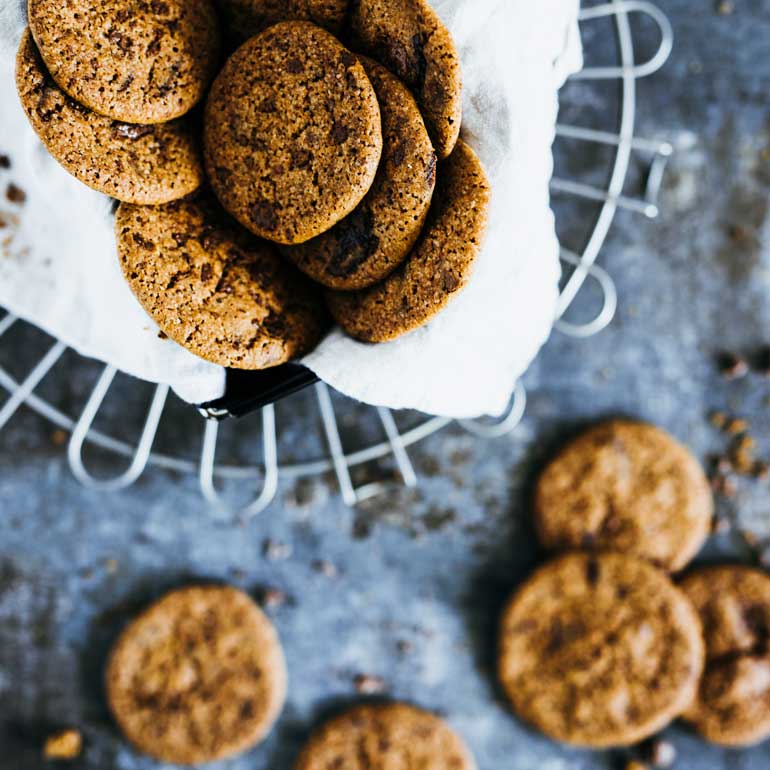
272 598
635 764
59 437
325 568
721 525
367 684
725 7
275 551
64 745
15 194
662 753
732 366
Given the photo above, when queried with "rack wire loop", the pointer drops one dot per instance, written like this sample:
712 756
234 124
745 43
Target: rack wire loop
141 454
270 479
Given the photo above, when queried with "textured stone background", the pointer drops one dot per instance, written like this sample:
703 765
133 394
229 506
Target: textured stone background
421 575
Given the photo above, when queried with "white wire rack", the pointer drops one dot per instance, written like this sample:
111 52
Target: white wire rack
266 475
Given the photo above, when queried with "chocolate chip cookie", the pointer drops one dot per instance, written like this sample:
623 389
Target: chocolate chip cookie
199 676
138 164
245 18
625 486
411 41
732 707
385 735
292 133
214 288
138 61
372 241
438 267
600 650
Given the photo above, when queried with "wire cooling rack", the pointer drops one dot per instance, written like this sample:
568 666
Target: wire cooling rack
582 263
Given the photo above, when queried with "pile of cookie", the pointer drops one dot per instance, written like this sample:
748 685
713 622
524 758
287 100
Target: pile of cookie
293 182
201 676
603 646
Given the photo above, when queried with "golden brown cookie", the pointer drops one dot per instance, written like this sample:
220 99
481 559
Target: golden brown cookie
245 18
439 266
600 650
625 486
372 241
733 703
138 164
199 676
138 61
292 133
411 41
392 735
214 288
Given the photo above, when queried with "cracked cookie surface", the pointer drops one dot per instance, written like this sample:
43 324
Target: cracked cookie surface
438 267
138 61
214 288
385 735
372 241
412 42
599 650
245 18
137 164
292 133
199 676
733 703
625 486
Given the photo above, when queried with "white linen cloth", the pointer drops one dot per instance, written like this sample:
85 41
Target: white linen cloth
59 268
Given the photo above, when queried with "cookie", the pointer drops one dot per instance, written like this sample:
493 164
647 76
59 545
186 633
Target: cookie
438 267
625 486
292 133
732 707
138 164
600 650
137 61
214 288
199 676
245 18
372 241
412 42
385 735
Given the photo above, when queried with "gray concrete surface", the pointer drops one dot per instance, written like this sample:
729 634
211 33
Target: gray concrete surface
421 576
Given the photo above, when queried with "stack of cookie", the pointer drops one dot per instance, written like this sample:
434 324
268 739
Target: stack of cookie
600 647
201 676
296 180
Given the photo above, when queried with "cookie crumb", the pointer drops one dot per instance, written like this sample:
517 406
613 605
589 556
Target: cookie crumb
718 420
15 194
325 568
110 566
760 361
721 525
272 597
635 764
662 753
64 745
736 425
725 7
367 684
274 551
404 647
59 437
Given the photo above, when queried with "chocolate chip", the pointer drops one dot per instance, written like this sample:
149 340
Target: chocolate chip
592 572
398 155
15 194
142 242
348 59
159 8
130 131
450 281
263 215
340 133
206 272
295 66
268 105
430 170
120 40
5 162
301 158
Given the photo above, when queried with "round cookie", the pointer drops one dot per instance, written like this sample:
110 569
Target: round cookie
292 133
412 42
385 735
372 241
625 486
245 18
199 676
214 288
732 707
138 62
439 266
138 164
599 650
